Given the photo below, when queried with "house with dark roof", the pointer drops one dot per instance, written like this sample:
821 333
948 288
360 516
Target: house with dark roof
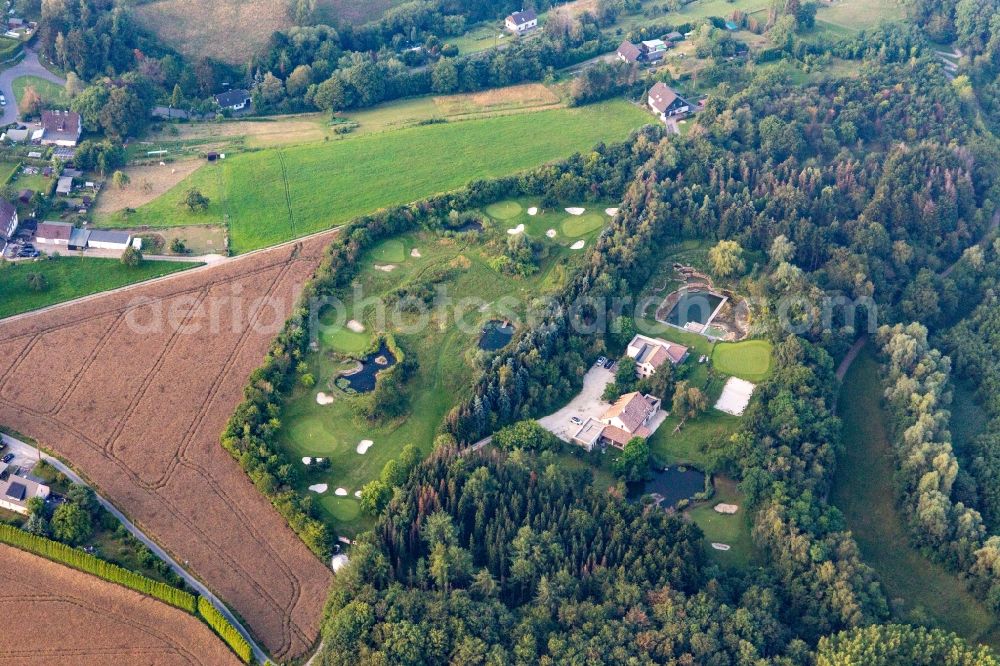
59 128
651 353
673 37
16 491
629 52
8 219
522 21
56 234
234 100
666 103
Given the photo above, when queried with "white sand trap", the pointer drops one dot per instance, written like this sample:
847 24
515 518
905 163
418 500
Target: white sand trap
611 211
576 211
307 461
386 268
735 396
323 399
356 326
319 488
364 445
577 245
532 211
519 229
338 562
728 509
357 493
415 253
340 492
721 546
551 233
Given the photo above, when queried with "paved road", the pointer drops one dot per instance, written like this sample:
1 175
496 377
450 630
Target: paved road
29 66
26 454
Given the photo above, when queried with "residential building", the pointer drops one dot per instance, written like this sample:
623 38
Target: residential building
16 491
59 128
653 50
629 52
109 240
8 219
666 102
651 353
65 186
522 21
234 100
632 415
54 233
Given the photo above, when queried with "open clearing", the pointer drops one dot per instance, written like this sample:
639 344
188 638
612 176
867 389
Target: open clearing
334 182
134 389
917 588
71 277
444 351
55 614
148 183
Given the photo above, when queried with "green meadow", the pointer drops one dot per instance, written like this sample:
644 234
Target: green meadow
274 195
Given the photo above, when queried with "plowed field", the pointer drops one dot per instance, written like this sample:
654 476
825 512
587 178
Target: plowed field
56 615
134 388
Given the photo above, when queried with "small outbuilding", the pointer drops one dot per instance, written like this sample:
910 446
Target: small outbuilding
101 239
54 233
65 186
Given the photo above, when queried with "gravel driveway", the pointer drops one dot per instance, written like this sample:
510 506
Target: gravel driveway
587 404
29 66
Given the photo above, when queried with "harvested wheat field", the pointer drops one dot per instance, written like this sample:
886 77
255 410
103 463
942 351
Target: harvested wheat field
134 388
275 131
525 96
56 615
147 183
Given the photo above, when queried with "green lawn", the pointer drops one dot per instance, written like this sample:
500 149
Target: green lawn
576 226
51 93
444 352
732 530
919 589
392 251
504 210
331 183
750 359
71 277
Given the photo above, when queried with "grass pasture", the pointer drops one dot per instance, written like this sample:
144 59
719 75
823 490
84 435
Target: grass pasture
444 353
856 15
750 359
52 94
71 277
919 590
332 183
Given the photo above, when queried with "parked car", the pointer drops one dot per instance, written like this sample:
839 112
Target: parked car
610 363
576 420
601 361
27 254
3 101
7 458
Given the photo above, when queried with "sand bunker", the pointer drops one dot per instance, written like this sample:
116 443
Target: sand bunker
356 326
551 233
357 493
576 211
415 253
386 268
307 461
728 509
519 229
720 546
364 445
323 399
319 488
611 211
340 492
532 211
577 245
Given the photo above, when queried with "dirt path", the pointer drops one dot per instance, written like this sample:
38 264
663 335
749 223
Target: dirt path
852 354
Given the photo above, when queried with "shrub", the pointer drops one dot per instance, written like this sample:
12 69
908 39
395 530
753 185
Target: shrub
226 631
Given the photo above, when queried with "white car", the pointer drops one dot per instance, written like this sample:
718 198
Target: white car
3 101
576 420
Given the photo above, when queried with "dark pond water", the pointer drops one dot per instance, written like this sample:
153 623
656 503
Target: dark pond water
694 306
471 225
496 335
363 381
673 484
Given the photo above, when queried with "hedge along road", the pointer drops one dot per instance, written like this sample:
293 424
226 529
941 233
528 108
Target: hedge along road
29 66
24 450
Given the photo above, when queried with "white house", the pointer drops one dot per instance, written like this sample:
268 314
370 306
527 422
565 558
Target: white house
59 128
651 353
16 491
522 21
56 234
633 415
8 219
666 103
109 240
234 100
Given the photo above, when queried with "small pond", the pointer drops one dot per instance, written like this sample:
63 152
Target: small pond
496 335
363 380
471 225
694 306
672 484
